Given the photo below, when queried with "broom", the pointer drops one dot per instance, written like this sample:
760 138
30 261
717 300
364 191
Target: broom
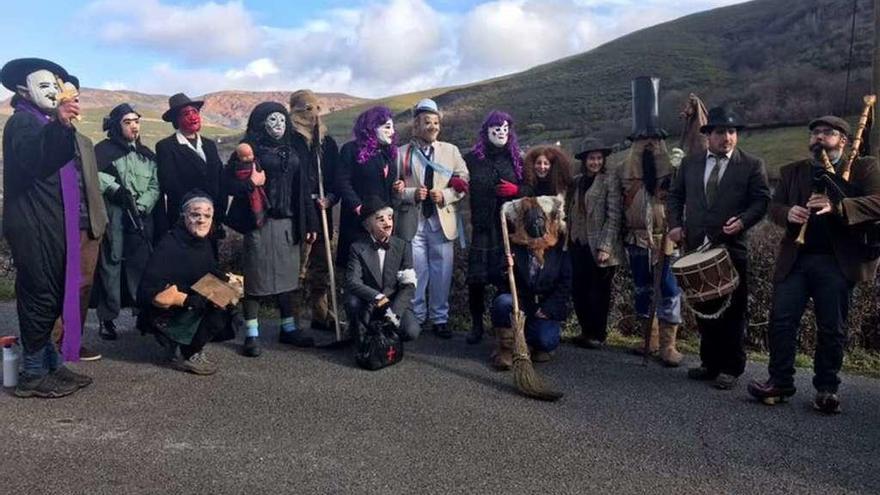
525 377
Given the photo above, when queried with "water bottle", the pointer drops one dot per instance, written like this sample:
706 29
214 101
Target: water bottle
10 362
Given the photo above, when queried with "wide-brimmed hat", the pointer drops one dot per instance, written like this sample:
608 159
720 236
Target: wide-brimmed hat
15 72
176 103
721 117
833 122
592 144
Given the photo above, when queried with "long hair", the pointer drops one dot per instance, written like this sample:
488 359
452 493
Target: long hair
497 118
364 134
560 167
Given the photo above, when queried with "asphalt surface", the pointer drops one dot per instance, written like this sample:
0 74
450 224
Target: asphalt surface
309 421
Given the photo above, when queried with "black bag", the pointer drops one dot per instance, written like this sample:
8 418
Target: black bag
378 345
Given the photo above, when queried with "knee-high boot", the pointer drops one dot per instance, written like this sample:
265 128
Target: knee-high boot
669 355
502 356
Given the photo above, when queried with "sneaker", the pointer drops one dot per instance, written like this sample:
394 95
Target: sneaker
770 393
251 347
45 387
197 364
107 330
725 382
442 331
701 373
541 356
66 374
827 403
86 354
296 338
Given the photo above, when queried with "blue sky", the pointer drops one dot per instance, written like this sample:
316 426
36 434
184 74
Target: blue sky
366 48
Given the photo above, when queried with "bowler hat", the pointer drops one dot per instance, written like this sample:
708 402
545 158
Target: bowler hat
721 117
15 72
832 122
371 205
591 144
176 103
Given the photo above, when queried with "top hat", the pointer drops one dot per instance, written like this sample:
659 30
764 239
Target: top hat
176 103
646 108
15 72
721 117
592 144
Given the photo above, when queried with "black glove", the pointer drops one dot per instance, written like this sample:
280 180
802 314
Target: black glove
196 301
121 197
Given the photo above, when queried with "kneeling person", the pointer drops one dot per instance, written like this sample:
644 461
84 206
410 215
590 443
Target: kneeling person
380 275
178 315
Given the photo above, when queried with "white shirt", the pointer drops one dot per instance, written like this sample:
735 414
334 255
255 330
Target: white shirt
197 148
711 162
381 253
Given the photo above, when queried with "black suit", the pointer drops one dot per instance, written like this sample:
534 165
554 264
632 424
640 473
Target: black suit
363 282
743 191
181 170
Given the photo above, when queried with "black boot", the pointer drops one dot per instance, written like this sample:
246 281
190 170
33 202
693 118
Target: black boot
107 330
251 347
476 333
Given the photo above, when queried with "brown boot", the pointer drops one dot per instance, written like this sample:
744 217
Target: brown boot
502 356
653 341
668 353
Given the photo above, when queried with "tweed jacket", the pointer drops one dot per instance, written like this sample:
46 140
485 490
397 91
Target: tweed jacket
598 223
411 169
743 191
795 187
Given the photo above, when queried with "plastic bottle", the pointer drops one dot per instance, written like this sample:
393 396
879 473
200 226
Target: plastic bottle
11 361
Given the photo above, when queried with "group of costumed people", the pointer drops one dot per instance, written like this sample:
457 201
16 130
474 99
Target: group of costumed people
545 230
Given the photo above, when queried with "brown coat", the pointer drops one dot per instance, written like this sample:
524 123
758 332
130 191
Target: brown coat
795 187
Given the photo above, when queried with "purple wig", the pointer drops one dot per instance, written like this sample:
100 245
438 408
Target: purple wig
365 134
497 118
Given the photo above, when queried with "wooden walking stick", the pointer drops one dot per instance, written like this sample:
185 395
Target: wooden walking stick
525 377
325 230
657 273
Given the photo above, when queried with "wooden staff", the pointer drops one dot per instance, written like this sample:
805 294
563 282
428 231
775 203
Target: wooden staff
325 229
869 100
826 163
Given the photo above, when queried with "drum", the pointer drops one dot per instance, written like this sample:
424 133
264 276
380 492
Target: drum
706 275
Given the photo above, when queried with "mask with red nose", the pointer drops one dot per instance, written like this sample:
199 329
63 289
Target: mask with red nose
189 121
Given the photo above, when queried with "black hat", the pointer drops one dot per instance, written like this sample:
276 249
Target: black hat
592 144
72 80
15 72
832 122
176 103
646 108
116 115
721 117
371 205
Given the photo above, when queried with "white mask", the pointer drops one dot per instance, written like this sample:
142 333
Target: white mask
276 124
385 132
498 134
42 89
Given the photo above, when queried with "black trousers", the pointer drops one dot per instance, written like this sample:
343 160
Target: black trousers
815 276
286 302
590 292
722 340
216 325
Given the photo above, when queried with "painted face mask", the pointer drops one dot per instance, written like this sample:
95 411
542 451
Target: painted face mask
498 134
276 124
42 89
535 223
189 121
386 132
131 126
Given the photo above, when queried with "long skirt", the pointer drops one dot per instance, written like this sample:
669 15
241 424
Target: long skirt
271 259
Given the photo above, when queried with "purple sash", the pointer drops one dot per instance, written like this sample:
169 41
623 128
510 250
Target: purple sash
70 195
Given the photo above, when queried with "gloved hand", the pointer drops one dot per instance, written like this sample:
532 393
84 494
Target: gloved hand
506 189
196 301
392 318
460 185
122 197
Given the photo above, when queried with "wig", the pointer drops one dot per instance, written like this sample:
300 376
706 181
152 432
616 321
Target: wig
497 118
560 167
364 133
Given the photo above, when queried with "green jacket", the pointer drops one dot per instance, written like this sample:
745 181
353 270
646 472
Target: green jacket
135 172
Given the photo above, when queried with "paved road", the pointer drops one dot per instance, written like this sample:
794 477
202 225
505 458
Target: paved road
297 421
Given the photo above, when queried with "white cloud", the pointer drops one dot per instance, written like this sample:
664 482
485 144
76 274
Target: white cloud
113 85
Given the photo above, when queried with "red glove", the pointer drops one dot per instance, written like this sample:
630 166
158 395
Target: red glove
460 185
506 189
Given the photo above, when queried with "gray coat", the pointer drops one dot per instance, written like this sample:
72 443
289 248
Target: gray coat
598 223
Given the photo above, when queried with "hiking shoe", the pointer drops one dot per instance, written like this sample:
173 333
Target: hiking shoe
66 374
701 373
107 330
442 331
770 393
541 356
44 387
86 354
251 347
197 364
296 338
827 403
725 382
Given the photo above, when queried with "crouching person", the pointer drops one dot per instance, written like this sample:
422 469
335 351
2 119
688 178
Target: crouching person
177 315
542 273
380 275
